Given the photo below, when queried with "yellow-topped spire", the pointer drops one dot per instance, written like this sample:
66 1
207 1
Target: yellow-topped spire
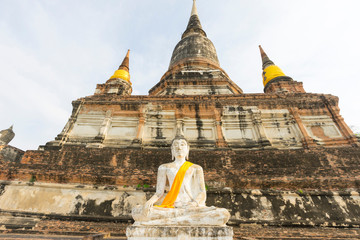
270 70
123 71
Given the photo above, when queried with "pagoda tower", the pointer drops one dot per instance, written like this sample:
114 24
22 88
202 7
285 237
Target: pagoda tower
281 157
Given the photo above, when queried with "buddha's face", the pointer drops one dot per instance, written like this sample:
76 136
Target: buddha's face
179 148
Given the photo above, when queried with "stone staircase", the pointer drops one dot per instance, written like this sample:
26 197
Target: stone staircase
9 222
24 226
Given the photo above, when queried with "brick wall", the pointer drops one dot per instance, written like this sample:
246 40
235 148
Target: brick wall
321 168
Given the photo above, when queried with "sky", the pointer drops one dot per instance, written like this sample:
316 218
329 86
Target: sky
55 51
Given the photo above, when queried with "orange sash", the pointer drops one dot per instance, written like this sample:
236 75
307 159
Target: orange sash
175 188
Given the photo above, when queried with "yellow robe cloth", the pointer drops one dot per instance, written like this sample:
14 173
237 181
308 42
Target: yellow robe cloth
175 188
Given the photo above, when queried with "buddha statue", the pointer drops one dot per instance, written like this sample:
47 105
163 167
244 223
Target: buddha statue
184 204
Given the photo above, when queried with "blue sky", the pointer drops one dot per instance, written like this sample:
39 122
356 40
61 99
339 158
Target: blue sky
55 51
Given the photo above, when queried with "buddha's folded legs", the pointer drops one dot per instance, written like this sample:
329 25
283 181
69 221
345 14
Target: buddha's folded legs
210 216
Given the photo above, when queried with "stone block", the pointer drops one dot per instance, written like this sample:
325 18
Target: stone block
179 233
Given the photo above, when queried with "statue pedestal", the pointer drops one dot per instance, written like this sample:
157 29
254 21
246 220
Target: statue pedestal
179 233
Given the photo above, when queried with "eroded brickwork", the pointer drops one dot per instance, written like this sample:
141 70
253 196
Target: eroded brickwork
115 203
320 168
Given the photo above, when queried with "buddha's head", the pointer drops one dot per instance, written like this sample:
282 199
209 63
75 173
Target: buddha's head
180 148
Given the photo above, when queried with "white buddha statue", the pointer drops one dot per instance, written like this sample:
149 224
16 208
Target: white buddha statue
184 204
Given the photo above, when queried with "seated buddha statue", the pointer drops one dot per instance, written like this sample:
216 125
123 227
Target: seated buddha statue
184 204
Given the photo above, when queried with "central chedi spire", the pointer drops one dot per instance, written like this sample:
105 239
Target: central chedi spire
194 43
194 66
194 22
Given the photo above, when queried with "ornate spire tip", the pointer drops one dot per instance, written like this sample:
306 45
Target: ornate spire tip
262 52
125 64
194 9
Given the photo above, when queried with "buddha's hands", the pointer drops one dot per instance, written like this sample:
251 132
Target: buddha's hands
149 204
194 203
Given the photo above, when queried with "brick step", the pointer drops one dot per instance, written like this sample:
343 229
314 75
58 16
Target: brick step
11 222
253 231
12 226
52 237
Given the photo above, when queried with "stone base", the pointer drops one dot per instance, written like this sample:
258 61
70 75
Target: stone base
179 233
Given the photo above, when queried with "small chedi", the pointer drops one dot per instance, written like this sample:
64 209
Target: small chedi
183 212
9 153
